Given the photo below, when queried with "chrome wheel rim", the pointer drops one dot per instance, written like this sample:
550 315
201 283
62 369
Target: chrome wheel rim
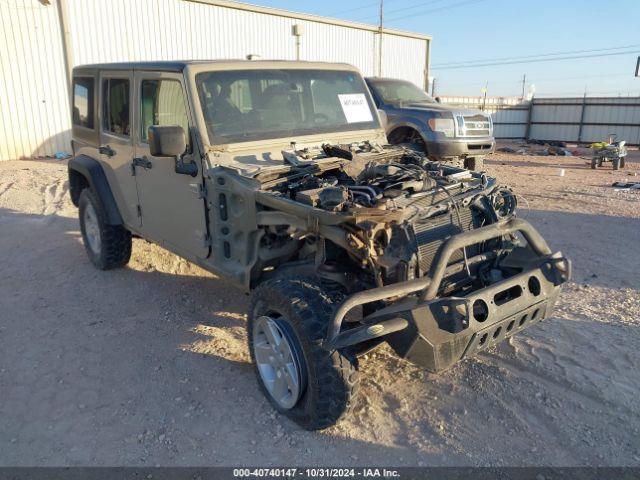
91 228
277 362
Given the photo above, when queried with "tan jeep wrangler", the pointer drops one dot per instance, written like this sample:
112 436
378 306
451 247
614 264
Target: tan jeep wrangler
277 176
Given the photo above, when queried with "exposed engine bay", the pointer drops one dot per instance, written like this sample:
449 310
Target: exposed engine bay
395 207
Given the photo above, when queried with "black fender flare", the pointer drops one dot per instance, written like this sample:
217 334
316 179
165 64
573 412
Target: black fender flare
95 177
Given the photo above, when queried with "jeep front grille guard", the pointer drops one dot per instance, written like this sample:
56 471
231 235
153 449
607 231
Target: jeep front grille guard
430 283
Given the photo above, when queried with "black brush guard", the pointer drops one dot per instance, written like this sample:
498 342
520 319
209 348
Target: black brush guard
437 332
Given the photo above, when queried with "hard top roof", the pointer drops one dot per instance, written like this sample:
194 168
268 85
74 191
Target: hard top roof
180 65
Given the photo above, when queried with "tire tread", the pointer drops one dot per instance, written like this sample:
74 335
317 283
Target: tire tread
333 377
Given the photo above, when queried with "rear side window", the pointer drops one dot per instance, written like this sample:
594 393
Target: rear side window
83 91
115 106
163 103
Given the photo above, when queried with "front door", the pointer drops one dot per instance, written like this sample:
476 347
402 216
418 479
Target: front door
173 212
116 141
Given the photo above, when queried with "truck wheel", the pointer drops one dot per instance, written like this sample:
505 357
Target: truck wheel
622 163
314 387
594 164
474 163
108 246
616 163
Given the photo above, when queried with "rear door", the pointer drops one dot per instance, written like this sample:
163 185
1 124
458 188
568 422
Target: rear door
116 141
173 212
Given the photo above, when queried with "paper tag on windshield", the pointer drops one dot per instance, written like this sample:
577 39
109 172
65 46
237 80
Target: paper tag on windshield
355 107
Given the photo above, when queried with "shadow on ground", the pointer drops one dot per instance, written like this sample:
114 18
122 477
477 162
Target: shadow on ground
147 365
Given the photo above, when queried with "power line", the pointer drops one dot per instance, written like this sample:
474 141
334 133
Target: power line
406 7
536 80
550 54
445 7
537 60
361 7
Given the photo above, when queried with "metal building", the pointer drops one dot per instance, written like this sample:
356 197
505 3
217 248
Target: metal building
43 39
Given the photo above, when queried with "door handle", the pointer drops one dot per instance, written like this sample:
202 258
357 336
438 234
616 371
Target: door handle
106 150
143 162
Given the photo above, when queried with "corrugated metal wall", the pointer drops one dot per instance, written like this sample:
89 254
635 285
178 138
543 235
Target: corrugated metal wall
35 112
34 107
403 58
589 119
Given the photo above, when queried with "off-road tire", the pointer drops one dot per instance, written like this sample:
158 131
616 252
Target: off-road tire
115 240
474 163
616 163
332 379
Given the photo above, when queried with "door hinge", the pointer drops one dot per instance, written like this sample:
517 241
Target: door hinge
139 211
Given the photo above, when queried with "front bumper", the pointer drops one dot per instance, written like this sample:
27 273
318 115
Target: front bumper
461 147
436 332
443 331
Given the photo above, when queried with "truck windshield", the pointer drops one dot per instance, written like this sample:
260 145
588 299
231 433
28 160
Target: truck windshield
400 91
247 105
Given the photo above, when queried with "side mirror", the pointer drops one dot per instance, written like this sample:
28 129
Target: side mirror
383 118
166 140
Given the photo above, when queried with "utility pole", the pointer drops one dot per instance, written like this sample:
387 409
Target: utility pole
380 38
484 101
524 81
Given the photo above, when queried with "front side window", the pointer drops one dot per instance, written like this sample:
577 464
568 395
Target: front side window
115 106
400 91
249 105
83 88
163 103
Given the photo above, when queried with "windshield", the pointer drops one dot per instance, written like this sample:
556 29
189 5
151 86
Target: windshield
245 105
396 91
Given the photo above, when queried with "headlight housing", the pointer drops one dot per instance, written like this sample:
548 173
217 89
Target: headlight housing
442 125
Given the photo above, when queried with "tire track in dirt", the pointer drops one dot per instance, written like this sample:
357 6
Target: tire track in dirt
53 195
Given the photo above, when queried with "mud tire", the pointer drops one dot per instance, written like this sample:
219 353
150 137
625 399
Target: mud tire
115 240
332 379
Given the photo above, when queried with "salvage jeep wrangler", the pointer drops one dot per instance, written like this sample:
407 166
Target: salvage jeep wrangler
277 176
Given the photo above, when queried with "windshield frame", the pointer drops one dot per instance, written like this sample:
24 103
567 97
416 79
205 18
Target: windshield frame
271 137
375 83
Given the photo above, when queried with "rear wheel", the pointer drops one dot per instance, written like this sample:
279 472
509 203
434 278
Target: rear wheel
622 162
288 320
108 246
594 163
616 163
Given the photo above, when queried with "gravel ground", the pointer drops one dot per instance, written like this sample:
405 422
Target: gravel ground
147 365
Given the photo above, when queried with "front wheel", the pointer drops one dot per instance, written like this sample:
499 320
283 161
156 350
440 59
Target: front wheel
616 163
288 319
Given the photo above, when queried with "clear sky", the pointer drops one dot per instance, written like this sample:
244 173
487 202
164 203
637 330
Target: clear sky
475 30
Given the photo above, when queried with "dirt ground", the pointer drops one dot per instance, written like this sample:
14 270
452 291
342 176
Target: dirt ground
148 365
